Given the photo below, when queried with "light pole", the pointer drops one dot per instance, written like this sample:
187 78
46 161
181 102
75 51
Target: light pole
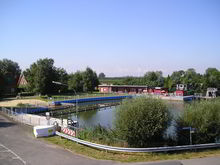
59 83
77 97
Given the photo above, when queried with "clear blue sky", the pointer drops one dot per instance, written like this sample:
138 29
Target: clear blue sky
117 37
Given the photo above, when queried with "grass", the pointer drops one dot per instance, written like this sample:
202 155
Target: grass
129 157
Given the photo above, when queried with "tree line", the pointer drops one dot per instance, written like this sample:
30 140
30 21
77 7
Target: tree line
195 82
41 75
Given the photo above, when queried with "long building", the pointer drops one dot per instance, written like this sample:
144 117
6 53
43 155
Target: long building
122 88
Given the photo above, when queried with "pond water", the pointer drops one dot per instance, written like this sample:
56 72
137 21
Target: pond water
106 116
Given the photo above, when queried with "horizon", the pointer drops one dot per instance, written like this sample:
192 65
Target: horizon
119 38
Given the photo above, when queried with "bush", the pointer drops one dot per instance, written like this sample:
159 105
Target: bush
204 116
142 121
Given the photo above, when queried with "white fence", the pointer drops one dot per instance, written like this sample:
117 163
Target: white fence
30 119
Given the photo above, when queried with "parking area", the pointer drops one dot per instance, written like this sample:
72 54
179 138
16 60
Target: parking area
8 157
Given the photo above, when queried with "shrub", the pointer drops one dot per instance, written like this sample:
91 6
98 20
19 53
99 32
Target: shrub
204 116
142 121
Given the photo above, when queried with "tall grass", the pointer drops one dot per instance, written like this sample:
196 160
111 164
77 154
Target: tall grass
204 116
101 135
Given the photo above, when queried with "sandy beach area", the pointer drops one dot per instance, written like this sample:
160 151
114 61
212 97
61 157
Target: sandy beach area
13 103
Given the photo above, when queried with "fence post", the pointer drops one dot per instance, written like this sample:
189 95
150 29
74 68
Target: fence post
21 118
11 111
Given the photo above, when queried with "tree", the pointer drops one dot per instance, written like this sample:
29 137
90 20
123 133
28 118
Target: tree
90 80
1 83
204 116
61 76
101 75
168 83
177 77
193 80
75 81
154 78
40 76
9 74
129 81
142 121
212 78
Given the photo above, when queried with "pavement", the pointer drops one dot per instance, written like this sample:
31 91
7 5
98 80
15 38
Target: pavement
18 146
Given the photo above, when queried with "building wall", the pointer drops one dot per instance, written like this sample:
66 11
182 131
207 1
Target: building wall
157 91
110 89
179 93
104 89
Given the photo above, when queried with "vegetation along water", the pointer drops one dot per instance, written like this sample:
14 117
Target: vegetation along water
99 125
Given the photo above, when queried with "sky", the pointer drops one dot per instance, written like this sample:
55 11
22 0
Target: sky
117 37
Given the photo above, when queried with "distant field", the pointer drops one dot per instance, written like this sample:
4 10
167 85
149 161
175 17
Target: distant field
112 80
119 80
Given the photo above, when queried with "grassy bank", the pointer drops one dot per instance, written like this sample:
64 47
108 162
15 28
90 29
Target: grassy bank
101 135
129 157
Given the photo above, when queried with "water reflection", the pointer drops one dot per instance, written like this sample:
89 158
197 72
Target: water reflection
102 116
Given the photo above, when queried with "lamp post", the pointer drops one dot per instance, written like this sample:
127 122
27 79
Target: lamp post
59 83
77 97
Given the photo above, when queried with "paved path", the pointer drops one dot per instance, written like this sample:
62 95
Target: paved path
19 147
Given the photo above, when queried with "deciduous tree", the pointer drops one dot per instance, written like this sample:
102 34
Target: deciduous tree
9 74
142 121
75 82
40 76
90 80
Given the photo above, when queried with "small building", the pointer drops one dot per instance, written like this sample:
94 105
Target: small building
122 89
160 91
157 90
180 93
182 87
181 90
211 92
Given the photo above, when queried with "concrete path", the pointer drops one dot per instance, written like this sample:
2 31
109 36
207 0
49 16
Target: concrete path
19 147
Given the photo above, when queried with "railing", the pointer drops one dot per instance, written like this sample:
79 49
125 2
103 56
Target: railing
81 100
30 119
154 149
